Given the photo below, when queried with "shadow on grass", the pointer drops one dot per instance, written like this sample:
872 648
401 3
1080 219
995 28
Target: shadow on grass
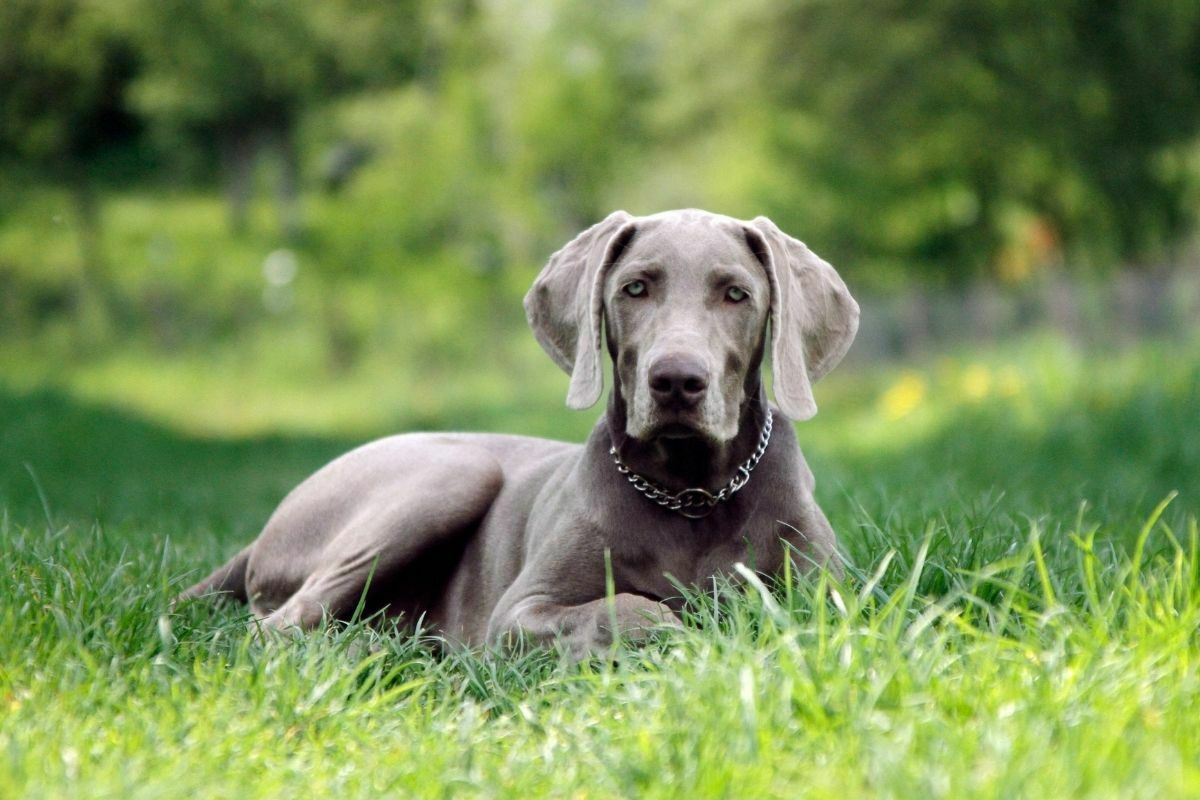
94 463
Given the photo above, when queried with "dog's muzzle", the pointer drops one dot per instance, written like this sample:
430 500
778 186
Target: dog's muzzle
678 382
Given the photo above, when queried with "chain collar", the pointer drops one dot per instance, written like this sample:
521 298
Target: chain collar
695 502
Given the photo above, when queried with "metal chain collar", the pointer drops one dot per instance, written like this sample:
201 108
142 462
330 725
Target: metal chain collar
695 503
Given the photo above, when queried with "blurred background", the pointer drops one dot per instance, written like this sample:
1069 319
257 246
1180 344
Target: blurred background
238 236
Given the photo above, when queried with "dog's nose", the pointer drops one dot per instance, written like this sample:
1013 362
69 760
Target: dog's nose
678 380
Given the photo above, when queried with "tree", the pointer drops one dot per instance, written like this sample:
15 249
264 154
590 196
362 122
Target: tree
242 73
945 130
63 72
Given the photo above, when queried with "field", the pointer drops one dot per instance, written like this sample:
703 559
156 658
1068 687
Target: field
239 239
1021 620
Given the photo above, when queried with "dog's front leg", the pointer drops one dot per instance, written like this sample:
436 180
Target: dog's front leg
583 629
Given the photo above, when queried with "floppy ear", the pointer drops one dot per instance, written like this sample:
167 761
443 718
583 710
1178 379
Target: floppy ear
565 306
813 316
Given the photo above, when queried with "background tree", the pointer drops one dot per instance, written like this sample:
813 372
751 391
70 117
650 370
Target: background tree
942 140
952 133
62 76
242 74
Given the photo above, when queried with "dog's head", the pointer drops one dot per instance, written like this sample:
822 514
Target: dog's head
685 298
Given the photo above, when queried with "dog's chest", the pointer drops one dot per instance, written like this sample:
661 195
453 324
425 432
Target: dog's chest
657 571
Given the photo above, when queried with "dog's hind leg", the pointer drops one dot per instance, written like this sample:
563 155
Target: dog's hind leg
434 497
227 580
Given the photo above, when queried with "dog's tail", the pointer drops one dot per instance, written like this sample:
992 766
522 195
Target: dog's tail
228 580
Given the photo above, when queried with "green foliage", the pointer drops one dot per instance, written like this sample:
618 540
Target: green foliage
245 65
940 141
955 128
223 62
63 74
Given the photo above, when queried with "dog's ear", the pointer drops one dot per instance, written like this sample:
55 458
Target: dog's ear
813 316
565 306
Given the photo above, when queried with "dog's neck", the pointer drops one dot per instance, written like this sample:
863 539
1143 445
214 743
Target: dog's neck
690 462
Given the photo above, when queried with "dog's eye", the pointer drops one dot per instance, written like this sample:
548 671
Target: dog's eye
634 288
736 294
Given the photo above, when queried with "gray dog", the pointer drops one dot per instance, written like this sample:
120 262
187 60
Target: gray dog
689 471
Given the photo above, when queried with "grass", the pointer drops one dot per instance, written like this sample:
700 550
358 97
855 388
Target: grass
1021 621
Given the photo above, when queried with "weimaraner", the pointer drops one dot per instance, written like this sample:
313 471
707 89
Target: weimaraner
492 537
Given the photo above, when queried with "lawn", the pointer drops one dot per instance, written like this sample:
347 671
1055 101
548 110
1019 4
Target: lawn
1021 621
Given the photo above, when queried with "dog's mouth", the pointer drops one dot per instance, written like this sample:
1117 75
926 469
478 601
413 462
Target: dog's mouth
677 425
678 430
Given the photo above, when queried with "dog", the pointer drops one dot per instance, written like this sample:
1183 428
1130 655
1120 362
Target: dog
490 538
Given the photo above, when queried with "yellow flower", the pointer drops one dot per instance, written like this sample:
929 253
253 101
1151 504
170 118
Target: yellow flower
976 382
903 396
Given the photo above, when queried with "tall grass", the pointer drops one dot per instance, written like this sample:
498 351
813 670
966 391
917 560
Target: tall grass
1064 671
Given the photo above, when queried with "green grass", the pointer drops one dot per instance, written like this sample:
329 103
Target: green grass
1022 619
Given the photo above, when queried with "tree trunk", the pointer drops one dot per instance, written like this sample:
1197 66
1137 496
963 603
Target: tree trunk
918 320
290 221
95 301
238 148
87 213
1063 305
